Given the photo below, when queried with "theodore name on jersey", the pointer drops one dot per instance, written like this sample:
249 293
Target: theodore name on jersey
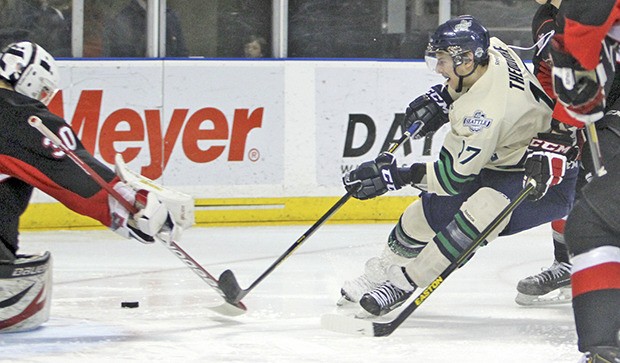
515 76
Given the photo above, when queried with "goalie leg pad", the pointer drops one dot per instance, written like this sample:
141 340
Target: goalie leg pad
25 292
476 213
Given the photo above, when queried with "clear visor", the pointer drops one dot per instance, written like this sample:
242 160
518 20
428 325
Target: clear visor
430 57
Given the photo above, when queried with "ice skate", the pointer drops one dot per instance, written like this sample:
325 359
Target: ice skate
374 275
601 355
551 286
352 290
384 299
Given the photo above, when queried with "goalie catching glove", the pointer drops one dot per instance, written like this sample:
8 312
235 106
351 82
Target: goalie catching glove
546 162
162 214
431 109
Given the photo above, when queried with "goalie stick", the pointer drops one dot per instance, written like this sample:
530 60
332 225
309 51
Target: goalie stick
228 282
351 325
228 308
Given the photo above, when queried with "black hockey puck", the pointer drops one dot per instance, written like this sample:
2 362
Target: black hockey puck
130 304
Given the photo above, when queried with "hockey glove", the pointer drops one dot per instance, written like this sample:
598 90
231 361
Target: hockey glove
151 219
373 178
579 90
547 158
163 214
431 109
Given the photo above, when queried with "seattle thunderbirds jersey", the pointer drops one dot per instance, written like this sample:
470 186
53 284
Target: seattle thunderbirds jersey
491 123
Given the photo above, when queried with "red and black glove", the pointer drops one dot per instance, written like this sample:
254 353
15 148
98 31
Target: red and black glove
547 158
579 90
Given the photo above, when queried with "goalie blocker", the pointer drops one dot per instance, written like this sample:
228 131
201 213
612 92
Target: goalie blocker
163 214
25 292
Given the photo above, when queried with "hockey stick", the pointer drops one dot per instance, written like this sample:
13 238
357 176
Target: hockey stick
347 324
228 282
228 308
595 150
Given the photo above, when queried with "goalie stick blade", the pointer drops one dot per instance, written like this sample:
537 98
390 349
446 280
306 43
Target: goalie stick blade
347 325
230 287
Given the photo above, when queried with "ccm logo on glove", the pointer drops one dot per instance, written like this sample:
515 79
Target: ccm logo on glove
387 178
550 146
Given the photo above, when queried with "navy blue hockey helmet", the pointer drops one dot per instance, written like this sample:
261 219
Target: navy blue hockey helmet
458 36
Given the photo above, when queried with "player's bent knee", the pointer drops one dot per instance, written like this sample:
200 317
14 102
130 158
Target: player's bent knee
482 207
476 213
25 292
414 223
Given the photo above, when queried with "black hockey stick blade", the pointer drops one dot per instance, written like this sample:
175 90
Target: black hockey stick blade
230 287
352 325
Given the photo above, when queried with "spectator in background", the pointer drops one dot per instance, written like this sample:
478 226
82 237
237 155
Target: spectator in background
255 47
125 34
37 21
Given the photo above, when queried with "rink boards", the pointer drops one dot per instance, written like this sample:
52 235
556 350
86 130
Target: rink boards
253 141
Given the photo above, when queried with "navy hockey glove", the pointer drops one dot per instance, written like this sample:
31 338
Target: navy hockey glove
373 178
431 109
547 158
579 90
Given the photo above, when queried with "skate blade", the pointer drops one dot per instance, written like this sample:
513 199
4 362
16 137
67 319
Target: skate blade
345 302
559 296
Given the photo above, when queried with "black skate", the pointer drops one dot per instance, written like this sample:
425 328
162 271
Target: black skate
384 299
352 290
551 286
602 355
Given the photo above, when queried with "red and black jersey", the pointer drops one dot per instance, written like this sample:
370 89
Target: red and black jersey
543 23
27 155
586 24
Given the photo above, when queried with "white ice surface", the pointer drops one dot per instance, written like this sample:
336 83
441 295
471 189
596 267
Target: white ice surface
472 317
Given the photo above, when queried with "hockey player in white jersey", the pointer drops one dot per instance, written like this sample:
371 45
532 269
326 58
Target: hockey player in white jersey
500 121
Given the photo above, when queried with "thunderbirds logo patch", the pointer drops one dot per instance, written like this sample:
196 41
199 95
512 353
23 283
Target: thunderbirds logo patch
477 122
